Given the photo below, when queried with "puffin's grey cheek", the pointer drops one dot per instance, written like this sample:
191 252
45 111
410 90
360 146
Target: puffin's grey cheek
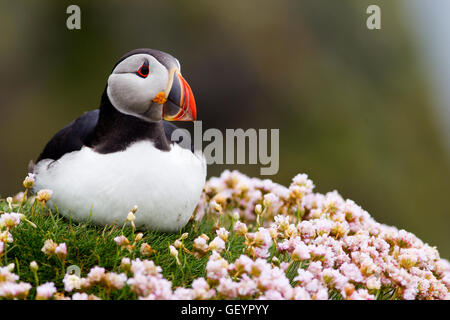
127 94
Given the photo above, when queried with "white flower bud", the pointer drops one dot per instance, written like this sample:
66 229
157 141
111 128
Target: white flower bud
34 266
184 236
177 244
139 236
44 195
28 182
131 217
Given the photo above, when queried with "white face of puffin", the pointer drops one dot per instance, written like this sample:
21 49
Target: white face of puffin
135 83
143 87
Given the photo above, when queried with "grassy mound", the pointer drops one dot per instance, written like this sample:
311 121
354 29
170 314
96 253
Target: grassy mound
248 239
90 245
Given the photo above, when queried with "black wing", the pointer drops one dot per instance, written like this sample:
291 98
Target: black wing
77 134
72 138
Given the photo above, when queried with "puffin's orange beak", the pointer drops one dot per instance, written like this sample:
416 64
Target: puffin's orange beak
180 104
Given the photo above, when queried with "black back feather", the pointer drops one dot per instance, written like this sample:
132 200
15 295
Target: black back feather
107 130
72 137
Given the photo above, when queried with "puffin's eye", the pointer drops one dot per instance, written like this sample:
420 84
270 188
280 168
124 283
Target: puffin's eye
143 70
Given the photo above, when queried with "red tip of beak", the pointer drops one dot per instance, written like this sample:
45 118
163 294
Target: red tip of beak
188 105
188 108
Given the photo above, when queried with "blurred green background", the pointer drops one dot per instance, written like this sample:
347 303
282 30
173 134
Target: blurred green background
354 106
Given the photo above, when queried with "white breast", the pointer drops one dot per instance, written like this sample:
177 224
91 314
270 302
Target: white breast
165 185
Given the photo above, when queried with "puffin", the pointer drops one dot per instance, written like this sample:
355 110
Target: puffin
121 155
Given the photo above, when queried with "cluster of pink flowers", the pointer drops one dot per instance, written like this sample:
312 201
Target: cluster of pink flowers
338 245
10 287
8 221
97 276
45 291
51 248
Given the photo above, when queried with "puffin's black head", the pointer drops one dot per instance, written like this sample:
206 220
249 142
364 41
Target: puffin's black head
147 84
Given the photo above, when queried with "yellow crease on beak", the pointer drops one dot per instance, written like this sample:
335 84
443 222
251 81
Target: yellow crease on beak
172 73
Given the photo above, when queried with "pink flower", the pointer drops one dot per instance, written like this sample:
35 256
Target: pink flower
44 195
246 286
151 287
6 275
115 281
96 275
275 279
303 181
6 237
334 279
72 282
301 252
29 180
49 247
322 294
352 272
303 276
270 199
228 288
122 240
80 296
45 291
201 289
145 267
200 244
315 268
217 267
362 294
306 229
301 294
84 296
240 228
61 251
271 295
222 233
242 264
9 220
13 290
217 244
183 294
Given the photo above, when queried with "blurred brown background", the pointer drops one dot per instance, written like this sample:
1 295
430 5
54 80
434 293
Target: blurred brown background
354 106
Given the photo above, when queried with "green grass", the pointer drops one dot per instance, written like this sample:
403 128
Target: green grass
90 245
